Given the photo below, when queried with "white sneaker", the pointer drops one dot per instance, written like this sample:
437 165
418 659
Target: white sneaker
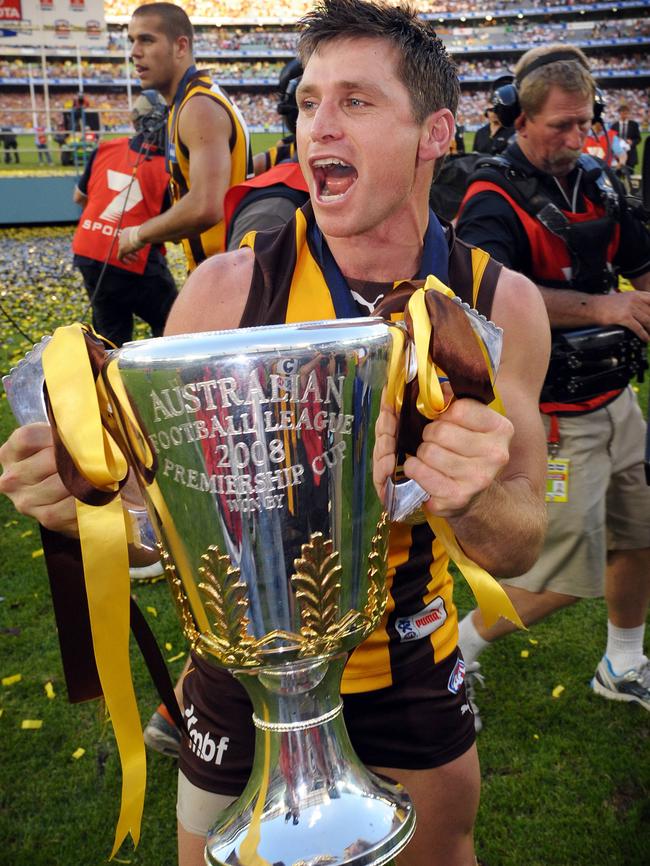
473 678
632 686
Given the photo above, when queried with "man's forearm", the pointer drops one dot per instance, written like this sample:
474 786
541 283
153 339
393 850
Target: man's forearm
504 529
188 217
567 308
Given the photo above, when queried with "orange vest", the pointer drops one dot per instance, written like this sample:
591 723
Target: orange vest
550 260
105 212
287 173
551 264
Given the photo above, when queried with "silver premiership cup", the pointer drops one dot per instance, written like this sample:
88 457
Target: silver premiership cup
275 541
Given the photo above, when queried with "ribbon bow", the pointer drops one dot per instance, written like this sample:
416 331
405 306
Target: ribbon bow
93 454
440 342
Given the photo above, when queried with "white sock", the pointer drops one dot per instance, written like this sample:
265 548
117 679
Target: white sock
469 640
625 647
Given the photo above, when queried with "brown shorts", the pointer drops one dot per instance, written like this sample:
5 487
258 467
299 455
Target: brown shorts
423 721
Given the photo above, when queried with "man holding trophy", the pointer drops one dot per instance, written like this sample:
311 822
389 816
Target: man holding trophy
376 105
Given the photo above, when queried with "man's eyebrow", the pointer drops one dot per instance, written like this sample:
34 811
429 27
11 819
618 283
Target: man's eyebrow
361 86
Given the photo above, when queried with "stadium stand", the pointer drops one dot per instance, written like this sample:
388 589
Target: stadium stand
246 57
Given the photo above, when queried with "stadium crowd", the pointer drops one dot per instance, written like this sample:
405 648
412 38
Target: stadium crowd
259 109
19 71
518 33
293 9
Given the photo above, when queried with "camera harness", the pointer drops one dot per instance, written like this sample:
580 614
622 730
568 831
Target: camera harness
591 361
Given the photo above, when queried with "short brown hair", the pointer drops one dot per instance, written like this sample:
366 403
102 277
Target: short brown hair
424 67
569 74
174 21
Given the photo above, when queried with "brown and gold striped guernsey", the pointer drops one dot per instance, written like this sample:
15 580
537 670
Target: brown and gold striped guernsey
199 247
420 622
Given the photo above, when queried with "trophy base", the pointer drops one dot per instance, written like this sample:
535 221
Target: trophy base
344 825
309 801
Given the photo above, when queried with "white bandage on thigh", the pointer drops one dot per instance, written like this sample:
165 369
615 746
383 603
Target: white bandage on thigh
196 809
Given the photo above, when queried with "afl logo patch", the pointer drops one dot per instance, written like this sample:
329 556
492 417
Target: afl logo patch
457 677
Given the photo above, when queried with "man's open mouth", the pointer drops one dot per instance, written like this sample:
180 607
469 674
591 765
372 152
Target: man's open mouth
333 177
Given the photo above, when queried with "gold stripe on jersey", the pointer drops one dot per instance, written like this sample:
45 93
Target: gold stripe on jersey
199 247
288 286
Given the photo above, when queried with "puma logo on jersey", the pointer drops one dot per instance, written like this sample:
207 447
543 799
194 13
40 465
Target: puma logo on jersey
362 301
423 623
128 195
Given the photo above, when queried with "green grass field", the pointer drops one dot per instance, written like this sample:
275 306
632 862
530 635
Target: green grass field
566 780
29 155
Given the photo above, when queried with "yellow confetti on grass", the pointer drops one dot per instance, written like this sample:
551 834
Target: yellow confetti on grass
31 724
78 753
12 680
524 654
37 553
557 691
152 610
168 646
49 690
27 533
535 736
532 641
176 657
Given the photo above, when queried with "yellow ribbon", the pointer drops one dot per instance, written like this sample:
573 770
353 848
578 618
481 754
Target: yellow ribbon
490 595
78 407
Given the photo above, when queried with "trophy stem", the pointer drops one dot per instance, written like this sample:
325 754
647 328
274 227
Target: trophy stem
309 801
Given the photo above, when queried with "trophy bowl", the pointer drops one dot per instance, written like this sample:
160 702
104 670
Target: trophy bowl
274 542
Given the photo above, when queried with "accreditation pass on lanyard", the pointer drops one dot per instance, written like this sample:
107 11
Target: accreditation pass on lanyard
557 480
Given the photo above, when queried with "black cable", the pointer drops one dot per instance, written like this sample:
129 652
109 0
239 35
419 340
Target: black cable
17 327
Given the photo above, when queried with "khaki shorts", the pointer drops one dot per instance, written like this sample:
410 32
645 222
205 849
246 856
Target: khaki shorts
608 505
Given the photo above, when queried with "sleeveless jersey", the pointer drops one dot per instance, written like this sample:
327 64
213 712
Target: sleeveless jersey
109 181
281 152
199 247
420 621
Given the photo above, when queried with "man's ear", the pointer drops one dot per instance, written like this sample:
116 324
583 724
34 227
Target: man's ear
520 122
181 47
437 132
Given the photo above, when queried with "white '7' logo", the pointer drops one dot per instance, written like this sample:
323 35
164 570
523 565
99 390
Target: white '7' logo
129 195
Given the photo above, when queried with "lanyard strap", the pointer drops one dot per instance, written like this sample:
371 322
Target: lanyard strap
435 261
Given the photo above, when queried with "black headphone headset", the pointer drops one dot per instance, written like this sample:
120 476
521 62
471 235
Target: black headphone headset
153 124
288 82
505 99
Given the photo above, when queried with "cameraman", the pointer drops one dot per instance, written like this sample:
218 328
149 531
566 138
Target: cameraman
125 182
561 219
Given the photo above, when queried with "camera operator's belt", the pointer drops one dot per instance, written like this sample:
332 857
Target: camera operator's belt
590 366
